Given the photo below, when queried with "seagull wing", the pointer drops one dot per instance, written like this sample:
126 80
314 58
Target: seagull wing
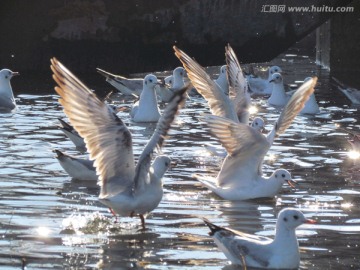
238 87
107 138
292 108
218 101
246 149
158 138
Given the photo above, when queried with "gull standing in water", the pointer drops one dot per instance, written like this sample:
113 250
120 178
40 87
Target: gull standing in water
7 100
240 177
249 250
126 189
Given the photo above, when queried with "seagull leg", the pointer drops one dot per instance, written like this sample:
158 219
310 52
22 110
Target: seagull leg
114 214
142 222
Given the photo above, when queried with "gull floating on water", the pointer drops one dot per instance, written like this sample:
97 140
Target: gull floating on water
249 250
173 83
7 100
222 80
278 96
351 93
126 189
260 86
146 108
240 177
77 168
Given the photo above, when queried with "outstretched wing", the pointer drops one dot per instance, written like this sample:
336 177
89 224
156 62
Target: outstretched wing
246 149
107 138
292 108
238 87
218 101
158 138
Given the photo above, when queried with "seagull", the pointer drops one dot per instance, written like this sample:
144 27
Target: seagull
351 93
249 250
234 106
278 96
77 168
240 177
73 135
7 100
311 106
146 108
176 82
260 86
128 190
222 79
125 85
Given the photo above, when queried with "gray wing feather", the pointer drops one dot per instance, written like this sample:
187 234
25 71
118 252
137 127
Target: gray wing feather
157 139
107 138
219 102
238 87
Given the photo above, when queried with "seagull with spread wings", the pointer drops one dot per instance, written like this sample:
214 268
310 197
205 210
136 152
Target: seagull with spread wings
128 190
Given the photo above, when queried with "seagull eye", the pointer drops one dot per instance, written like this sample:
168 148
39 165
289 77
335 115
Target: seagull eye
285 219
296 217
256 123
150 80
283 175
6 76
167 164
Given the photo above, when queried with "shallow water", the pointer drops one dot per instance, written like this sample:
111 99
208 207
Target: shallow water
50 221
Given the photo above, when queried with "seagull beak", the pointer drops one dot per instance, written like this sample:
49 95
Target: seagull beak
159 82
15 74
271 81
291 183
310 221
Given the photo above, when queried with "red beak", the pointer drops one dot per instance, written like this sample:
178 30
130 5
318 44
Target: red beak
310 221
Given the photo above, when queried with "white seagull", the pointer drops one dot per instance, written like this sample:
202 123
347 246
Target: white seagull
7 100
234 106
260 86
174 83
222 79
250 250
278 96
352 94
146 108
77 168
126 86
240 177
126 189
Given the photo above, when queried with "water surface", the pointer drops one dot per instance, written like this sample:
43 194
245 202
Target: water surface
49 221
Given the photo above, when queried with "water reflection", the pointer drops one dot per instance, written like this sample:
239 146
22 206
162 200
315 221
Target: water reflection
55 222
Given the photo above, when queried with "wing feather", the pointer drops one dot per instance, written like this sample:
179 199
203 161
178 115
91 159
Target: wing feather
218 101
107 138
238 87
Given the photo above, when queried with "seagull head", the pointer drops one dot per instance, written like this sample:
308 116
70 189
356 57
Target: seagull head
274 69
160 166
283 176
258 123
7 74
150 81
169 80
276 78
179 72
291 218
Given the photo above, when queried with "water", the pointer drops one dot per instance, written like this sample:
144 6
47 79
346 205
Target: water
49 221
